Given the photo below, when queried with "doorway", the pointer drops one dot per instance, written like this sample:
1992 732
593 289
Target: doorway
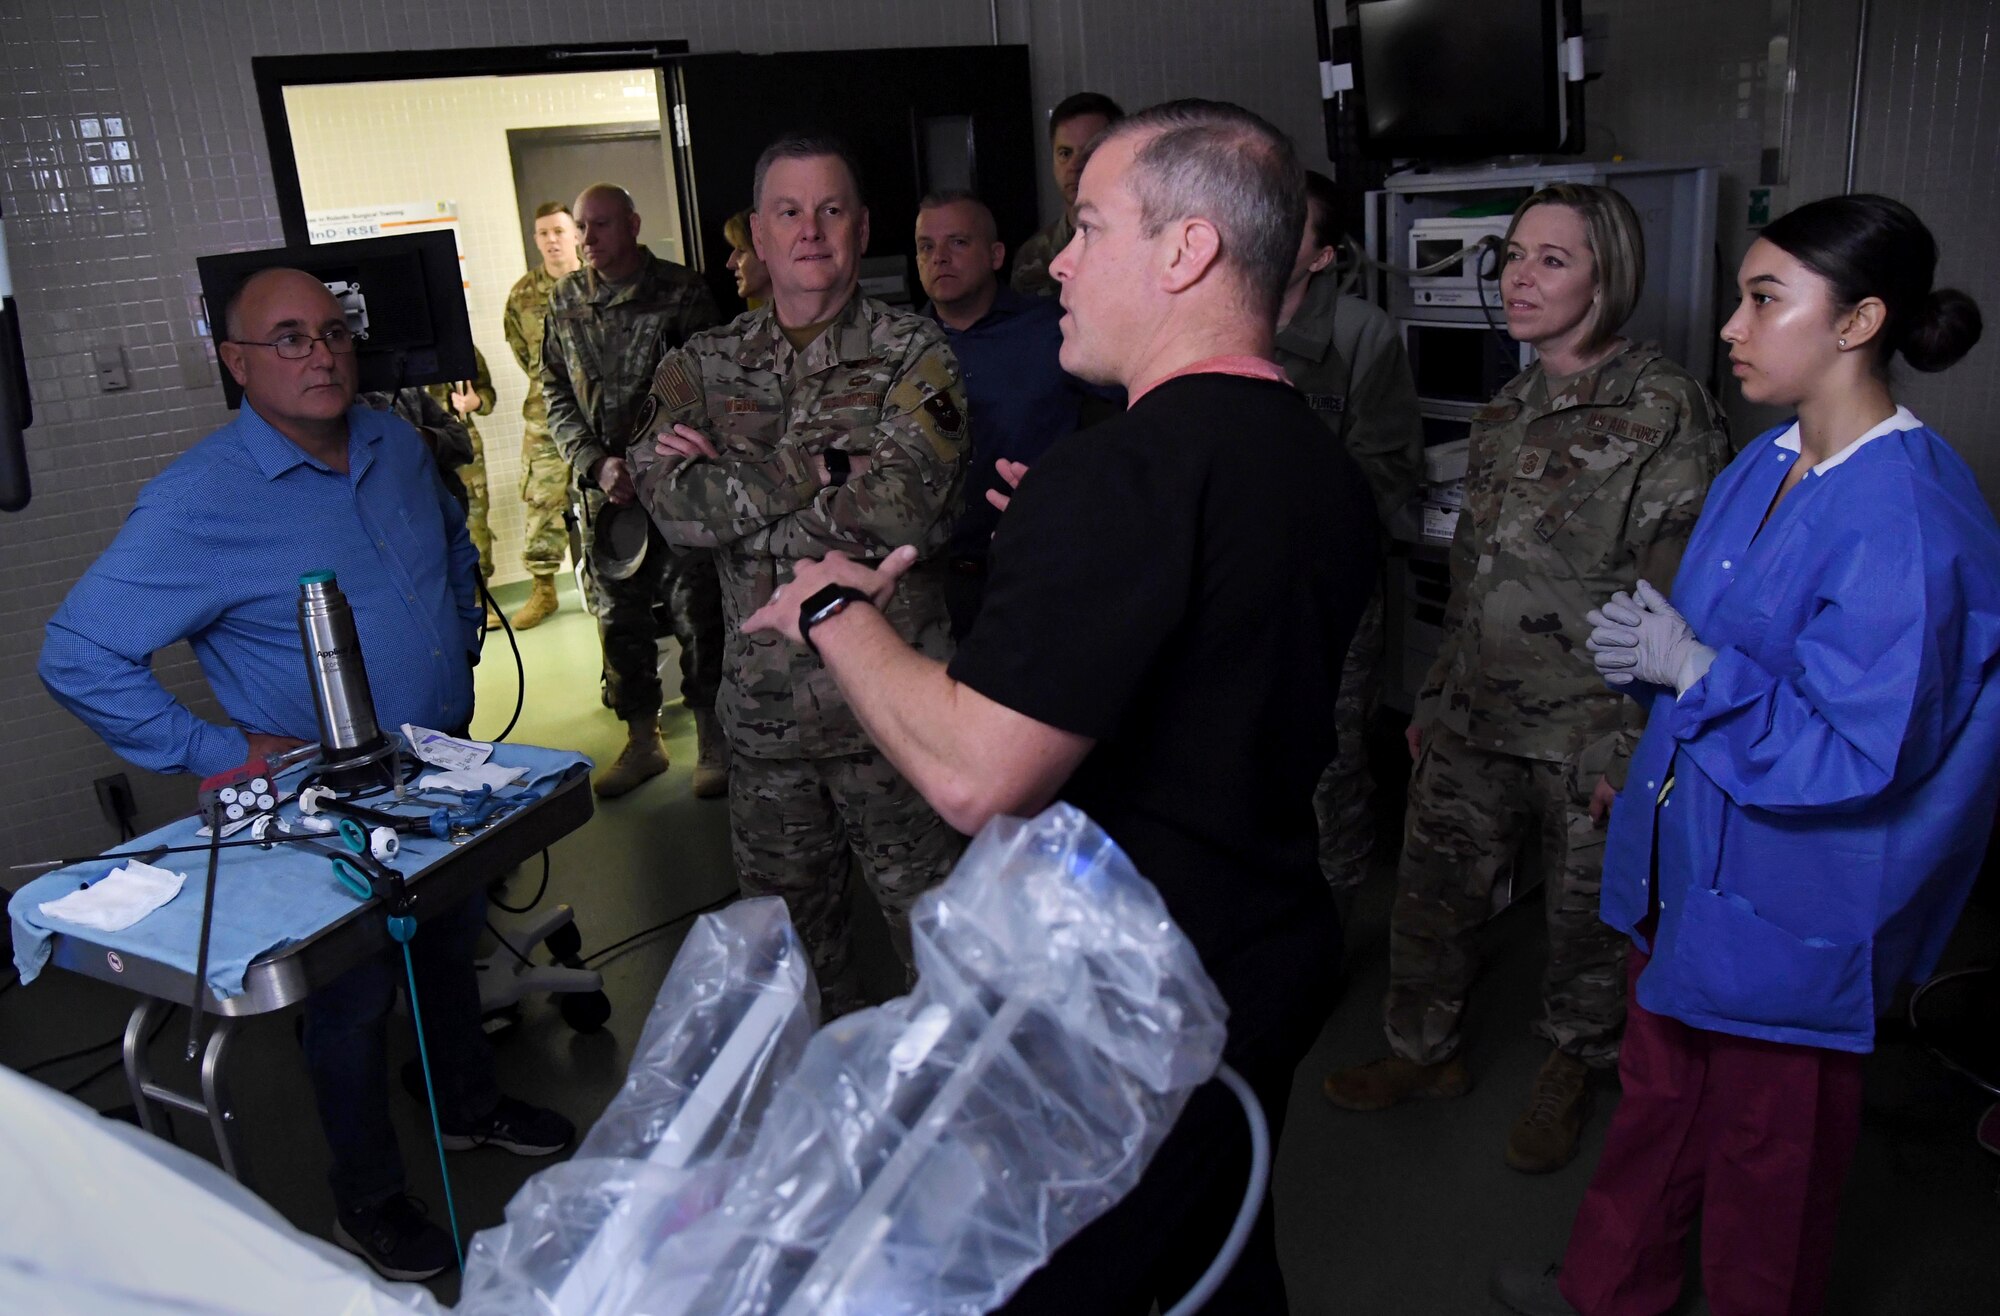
444 151
555 164
918 118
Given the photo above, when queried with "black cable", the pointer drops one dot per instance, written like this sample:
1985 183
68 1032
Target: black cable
93 1076
540 891
1479 285
595 955
520 669
77 1054
509 945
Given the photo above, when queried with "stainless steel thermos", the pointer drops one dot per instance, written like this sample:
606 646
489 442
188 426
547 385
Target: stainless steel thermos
347 727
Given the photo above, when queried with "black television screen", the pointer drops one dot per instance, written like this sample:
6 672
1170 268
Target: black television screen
404 297
1461 79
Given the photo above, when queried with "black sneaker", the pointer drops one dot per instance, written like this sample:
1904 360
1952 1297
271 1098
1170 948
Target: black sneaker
1530 1291
514 1126
396 1238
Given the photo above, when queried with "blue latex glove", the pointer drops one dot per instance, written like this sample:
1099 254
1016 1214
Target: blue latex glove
1641 637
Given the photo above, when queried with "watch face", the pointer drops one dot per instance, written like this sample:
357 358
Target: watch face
828 602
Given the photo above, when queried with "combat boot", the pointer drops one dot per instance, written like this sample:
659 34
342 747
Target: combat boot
1544 1137
492 618
643 758
541 605
711 766
1392 1080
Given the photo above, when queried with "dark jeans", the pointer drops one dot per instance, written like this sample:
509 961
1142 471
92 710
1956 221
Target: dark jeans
347 1052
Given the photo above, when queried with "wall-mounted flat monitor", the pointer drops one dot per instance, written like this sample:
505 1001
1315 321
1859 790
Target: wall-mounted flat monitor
1467 79
403 295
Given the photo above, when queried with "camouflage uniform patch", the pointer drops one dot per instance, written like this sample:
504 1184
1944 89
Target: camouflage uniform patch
792 822
1570 497
602 347
545 476
1470 811
473 474
806 785
1344 354
1031 262
762 506
1344 799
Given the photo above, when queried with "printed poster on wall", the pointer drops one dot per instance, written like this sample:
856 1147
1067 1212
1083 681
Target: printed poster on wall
350 223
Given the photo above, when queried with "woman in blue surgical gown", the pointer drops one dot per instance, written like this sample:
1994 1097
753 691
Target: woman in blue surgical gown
1810 804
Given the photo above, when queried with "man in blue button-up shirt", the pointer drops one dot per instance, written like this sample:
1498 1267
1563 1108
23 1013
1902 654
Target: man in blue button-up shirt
303 480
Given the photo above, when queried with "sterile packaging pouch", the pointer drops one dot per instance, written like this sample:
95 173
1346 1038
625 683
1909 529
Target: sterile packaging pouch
731 1019
926 1156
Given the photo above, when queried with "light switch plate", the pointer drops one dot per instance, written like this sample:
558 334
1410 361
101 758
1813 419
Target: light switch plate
108 363
196 364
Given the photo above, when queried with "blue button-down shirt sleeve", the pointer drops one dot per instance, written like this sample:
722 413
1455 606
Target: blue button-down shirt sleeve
464 560
212 554
148 591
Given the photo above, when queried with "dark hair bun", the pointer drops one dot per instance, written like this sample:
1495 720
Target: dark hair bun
1944 330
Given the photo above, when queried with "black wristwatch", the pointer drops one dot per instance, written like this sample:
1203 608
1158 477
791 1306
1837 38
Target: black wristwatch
828 602
838 466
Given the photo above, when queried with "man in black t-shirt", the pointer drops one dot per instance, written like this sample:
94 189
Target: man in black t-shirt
1169 601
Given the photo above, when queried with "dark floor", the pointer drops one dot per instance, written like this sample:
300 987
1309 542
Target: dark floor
1398 1212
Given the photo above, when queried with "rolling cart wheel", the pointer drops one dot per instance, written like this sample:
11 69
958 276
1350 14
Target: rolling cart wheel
586 1012
565 943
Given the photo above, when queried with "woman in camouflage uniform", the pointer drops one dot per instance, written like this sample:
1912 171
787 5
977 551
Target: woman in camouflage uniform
1586 473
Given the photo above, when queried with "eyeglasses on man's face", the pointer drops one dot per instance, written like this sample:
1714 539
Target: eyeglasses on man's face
297 346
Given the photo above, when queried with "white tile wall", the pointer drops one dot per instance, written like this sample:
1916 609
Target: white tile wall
450 140
102 258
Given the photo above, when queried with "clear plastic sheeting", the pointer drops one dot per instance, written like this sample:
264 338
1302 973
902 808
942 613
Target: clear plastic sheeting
98 1217
732 1018
928 1155
923 1157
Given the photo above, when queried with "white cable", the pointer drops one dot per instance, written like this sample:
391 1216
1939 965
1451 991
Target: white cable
1253 1199
1474 252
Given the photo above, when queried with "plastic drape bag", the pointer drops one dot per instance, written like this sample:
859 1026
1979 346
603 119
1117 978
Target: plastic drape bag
928 1155
732 1017
98 1217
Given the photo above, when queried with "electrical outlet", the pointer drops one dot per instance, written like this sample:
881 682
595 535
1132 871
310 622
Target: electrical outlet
114 796
107 362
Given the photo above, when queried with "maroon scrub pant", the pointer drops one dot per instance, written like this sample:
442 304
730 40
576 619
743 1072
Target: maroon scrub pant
1755 1135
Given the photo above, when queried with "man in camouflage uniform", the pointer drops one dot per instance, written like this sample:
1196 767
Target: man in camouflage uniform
464 403
1073 125
825 421
1344 354
1571 494
609 326
545 476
